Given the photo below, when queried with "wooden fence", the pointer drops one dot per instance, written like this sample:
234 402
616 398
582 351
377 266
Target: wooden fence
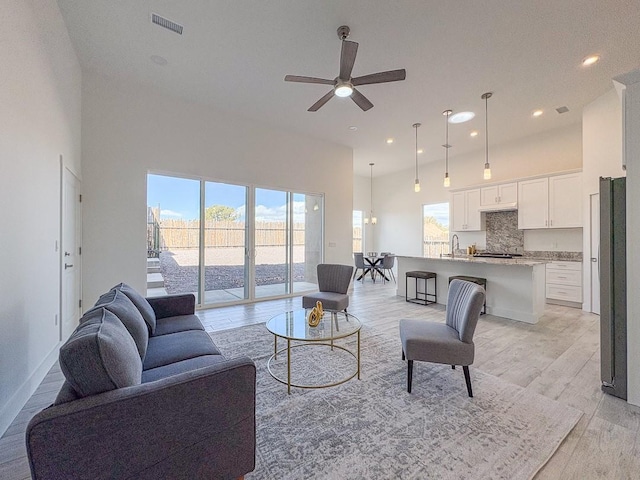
175 234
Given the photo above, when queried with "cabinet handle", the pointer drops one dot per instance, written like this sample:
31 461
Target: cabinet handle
546 223
551 223
496 199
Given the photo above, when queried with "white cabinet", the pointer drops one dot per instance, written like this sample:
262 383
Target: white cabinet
565 201
533 204
553 202
498 195
564 281
465 213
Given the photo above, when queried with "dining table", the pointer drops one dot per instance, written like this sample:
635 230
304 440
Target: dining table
373 266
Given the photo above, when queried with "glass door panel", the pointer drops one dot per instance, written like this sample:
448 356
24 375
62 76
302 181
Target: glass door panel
173 235
307 241
272 255
225 243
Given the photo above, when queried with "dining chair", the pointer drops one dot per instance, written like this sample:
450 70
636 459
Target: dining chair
360 265
450 343
388 261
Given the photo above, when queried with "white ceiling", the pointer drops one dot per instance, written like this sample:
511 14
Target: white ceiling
234 55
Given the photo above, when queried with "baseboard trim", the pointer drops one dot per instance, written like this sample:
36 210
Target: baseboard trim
22 395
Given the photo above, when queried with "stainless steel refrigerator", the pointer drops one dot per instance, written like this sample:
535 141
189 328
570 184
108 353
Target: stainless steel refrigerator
613 287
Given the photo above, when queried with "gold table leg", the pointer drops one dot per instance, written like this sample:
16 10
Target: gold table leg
289 366
358 355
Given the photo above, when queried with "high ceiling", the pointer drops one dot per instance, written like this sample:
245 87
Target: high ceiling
234 54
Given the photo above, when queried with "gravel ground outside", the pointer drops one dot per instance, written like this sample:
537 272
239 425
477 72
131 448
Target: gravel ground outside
226 270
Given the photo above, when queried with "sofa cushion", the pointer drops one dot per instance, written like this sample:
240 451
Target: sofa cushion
175 347
141 304
159 373
100 355
181 323
119 304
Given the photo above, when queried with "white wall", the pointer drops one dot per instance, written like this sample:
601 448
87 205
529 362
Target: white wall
602 157
129 130
39 121
399 208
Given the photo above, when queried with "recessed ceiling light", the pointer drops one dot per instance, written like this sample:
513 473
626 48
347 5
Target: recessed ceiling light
461 117
353 128
474 133
420 151
537 113
590 60
158 60
389 141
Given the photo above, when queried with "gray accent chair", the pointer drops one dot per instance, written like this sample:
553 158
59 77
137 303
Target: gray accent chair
333 283
147 395
450 343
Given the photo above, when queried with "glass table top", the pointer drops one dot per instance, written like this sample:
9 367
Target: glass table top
294 326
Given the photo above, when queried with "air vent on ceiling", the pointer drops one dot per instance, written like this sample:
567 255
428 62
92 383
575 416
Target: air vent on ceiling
562 109
164 23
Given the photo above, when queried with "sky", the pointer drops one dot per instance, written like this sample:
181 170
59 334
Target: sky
179 198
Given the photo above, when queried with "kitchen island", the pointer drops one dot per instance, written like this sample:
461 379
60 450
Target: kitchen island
515 286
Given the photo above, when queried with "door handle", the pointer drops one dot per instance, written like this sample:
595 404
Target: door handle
593 259
68 265
67 254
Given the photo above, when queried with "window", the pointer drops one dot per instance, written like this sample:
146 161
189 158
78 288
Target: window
435 229
357 230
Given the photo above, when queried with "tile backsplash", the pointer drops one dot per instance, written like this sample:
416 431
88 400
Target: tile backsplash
503 235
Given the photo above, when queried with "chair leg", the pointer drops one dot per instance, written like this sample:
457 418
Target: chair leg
403 357
409 374
467 378
453 367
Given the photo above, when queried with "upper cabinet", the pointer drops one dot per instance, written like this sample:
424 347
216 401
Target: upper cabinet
565 201
499 195
465 213
553 202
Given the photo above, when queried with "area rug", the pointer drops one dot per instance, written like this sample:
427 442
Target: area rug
373 429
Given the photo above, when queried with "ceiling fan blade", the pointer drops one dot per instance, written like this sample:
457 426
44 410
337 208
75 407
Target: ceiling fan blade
321 102
347 58
296 78
362 101
381 77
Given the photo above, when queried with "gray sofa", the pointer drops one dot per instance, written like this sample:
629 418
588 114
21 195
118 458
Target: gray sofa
147 395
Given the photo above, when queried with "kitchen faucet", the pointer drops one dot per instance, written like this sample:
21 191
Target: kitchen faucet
457 244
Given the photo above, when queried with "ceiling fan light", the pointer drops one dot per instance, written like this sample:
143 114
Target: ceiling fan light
343 90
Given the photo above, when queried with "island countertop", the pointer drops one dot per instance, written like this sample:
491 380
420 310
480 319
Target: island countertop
516 261
515 286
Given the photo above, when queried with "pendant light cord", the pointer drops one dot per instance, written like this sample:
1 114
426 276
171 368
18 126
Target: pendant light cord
446 143
416 127
486 128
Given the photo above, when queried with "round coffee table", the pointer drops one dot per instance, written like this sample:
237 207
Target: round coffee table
293 326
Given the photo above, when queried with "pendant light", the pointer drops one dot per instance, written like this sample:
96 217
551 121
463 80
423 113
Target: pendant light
374 220
447 181
416 186
487 167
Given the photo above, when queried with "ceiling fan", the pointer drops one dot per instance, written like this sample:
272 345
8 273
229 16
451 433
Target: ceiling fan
343 84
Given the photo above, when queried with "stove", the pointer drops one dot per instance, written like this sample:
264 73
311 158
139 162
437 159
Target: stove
497 255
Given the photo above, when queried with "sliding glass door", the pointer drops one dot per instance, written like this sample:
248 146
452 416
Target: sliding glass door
231 243
225 243
272 254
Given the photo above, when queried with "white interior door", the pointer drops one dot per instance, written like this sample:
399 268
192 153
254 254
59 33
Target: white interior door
594 254
70 254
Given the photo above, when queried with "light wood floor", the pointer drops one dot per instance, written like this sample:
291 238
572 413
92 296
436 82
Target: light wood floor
558 358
